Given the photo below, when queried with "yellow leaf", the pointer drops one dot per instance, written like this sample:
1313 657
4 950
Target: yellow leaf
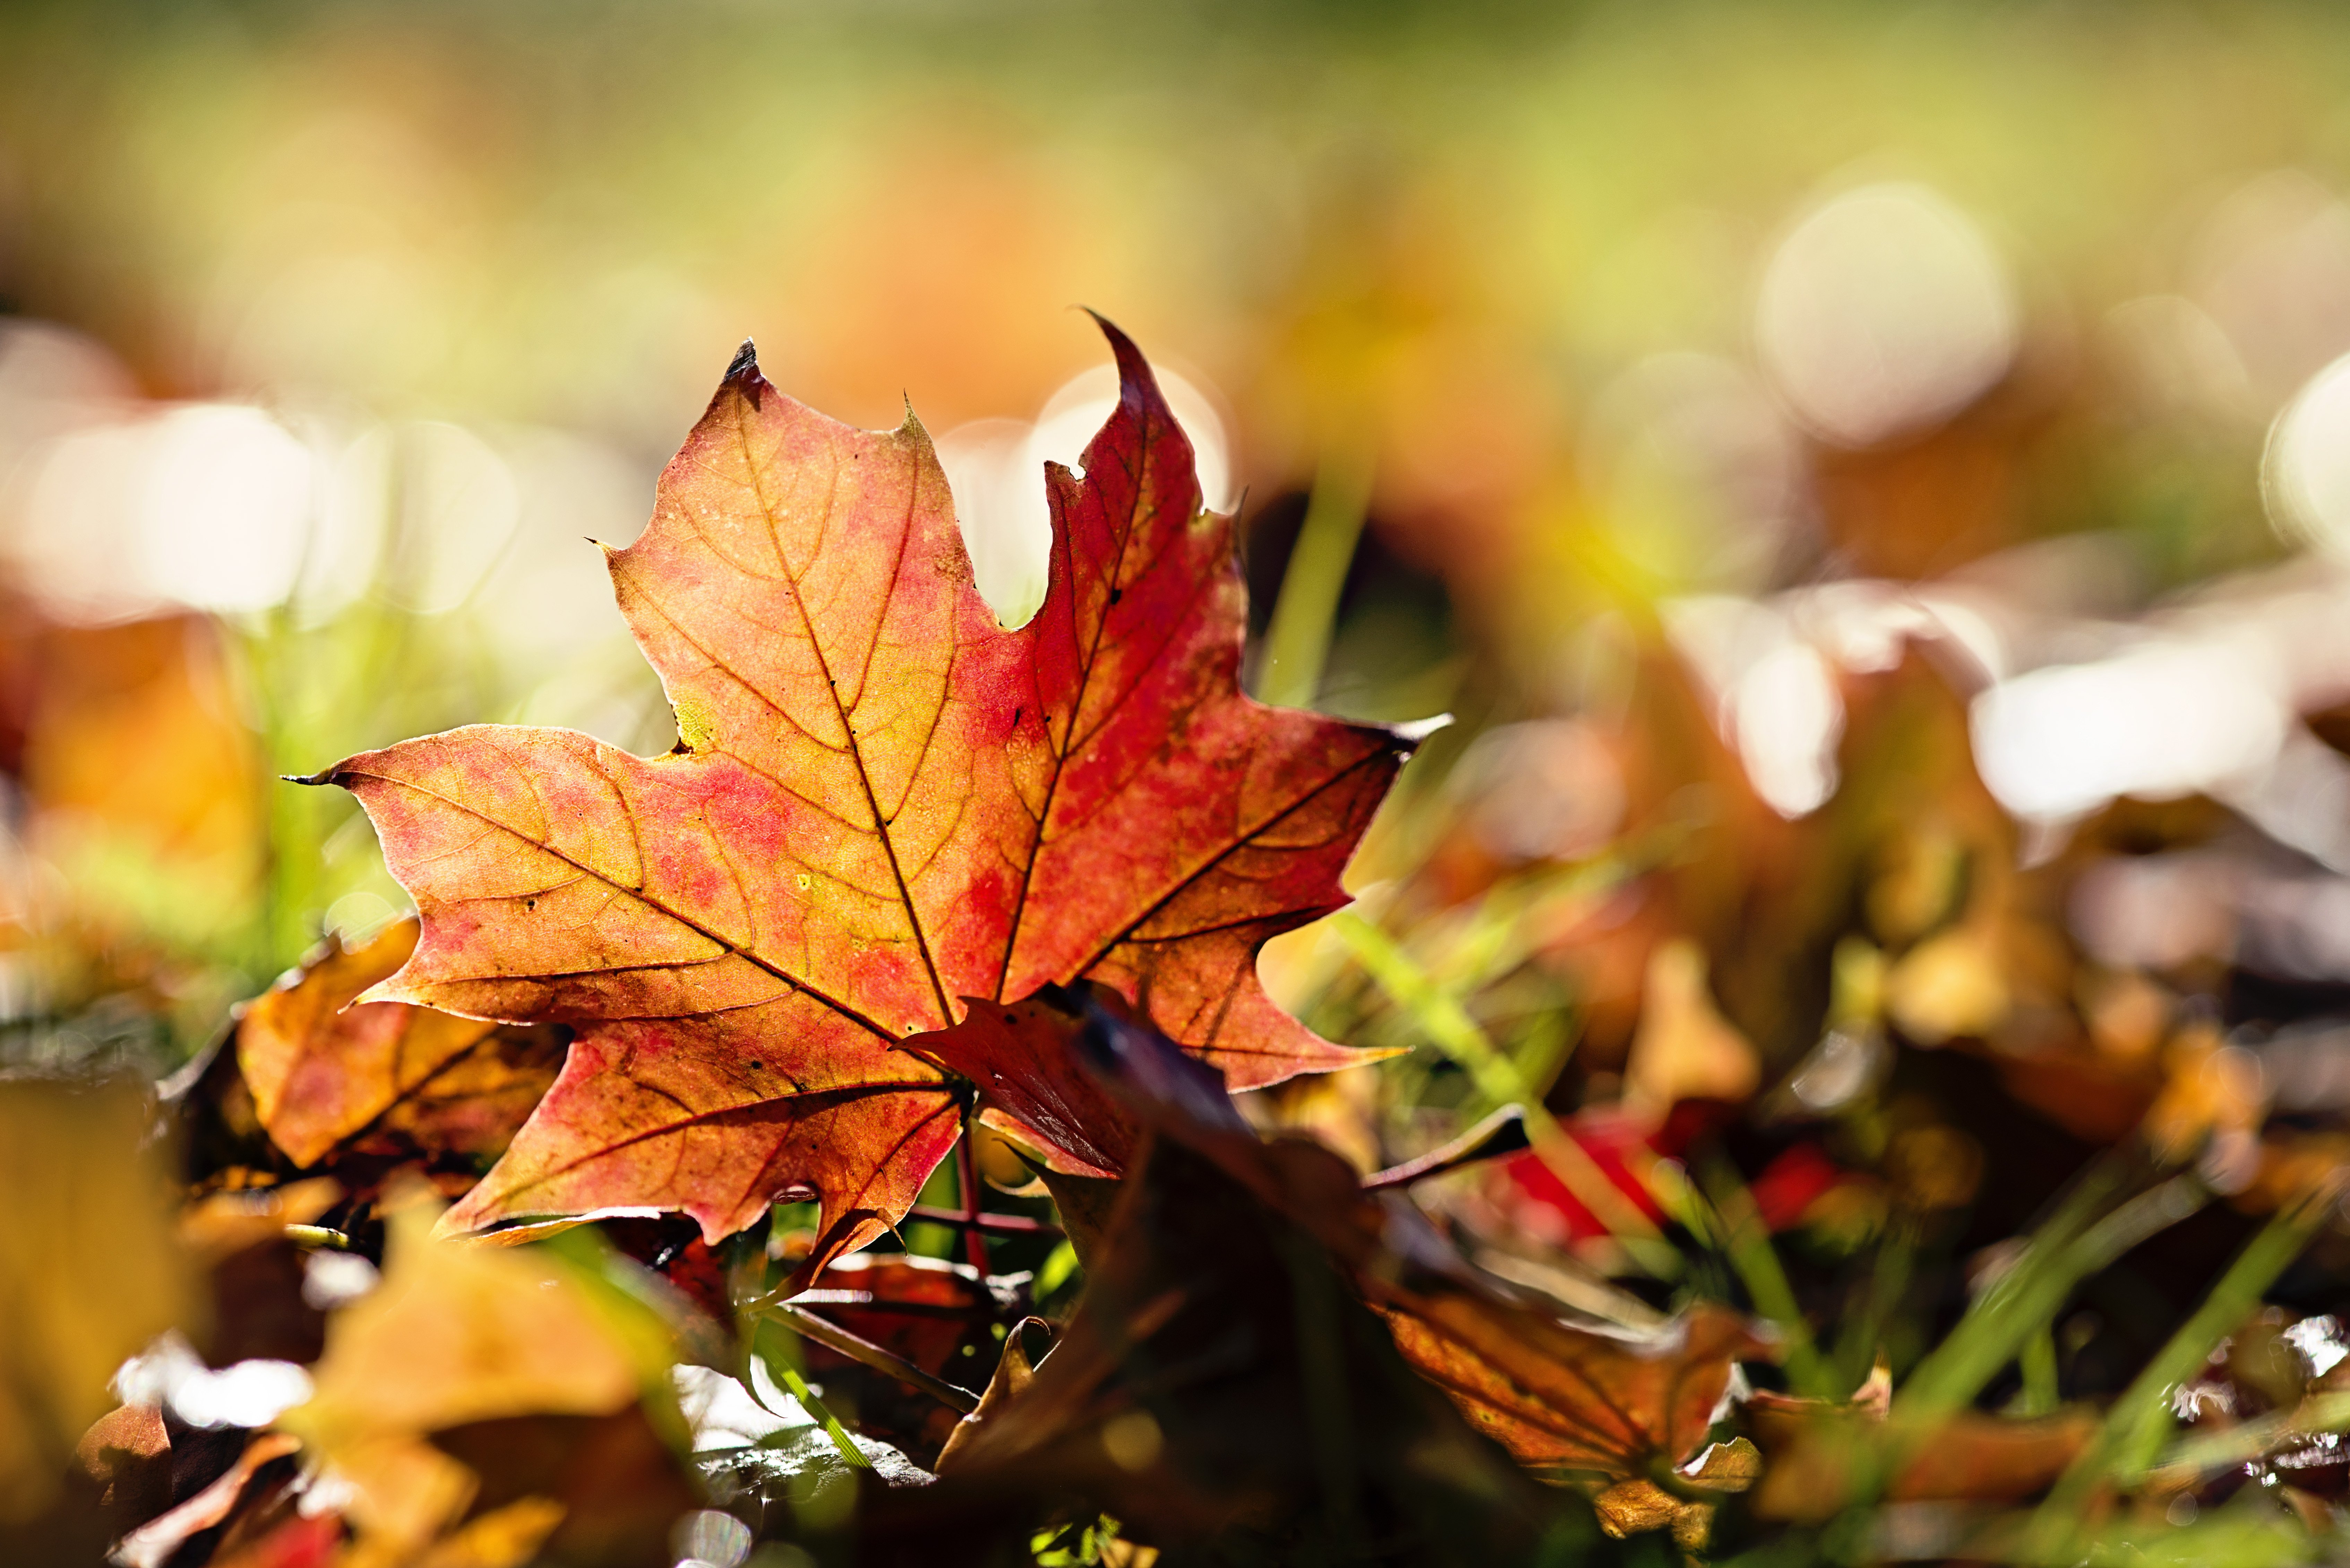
1685 1049
91 1270
456 1333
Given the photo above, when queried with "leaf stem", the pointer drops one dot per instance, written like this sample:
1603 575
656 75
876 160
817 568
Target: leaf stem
995 1224
974 1234
834 1337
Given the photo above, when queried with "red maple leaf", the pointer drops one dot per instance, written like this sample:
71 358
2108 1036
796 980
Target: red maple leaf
882 806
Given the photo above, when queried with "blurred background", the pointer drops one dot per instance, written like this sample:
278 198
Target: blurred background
1871 484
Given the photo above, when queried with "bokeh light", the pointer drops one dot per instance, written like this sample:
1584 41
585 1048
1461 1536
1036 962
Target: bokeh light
1884 310
2307 469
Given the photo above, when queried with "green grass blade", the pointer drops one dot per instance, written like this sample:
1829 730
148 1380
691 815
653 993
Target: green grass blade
1448 1027
2134 1429
1297 641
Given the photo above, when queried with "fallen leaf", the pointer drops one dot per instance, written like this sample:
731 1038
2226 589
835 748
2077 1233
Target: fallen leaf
1816 1450
473 1106
89 1270
127 1456
1952 984
1014 1373
321 1068
880 801
1685 1049
256 1273
220 1225
138 773
1222 1389
2212 1093
502 1538
1633 1507
580 1489
158 1540
312 1540
1556 1395
1574 1398
456 1333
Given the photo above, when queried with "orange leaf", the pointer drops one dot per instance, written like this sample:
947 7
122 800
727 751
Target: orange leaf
319 1068
1556 1396
1574 1398
880 801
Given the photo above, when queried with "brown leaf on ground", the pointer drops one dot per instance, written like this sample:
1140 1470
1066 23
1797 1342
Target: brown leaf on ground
322 1065
255 1272
1816 1452
1634 1507
1577 1399
471 1109
1685 1049
2212 1093
281 1539
161 1538
599 1490
1553 1394
1360 1326
126 1456
1222 1381
1013 1372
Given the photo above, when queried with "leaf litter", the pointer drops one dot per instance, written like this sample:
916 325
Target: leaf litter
683 1037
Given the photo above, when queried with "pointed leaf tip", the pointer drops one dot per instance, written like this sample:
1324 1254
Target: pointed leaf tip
1133 370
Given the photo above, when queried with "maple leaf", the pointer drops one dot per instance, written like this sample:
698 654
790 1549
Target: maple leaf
883 804
1558 1396
1572 1398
